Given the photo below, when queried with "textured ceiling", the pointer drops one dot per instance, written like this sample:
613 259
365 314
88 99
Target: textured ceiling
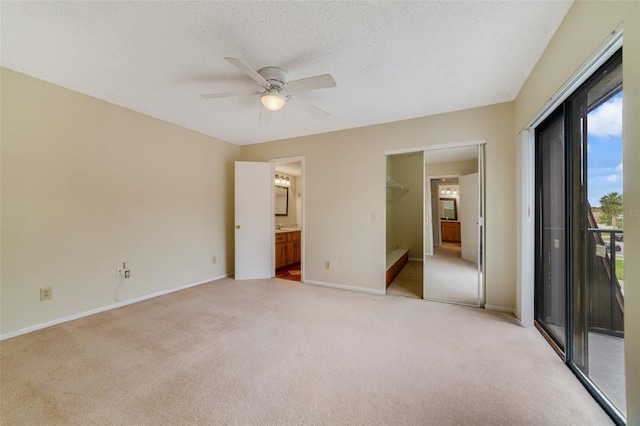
391 60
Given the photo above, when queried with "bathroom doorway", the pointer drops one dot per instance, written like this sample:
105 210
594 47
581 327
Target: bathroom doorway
288 210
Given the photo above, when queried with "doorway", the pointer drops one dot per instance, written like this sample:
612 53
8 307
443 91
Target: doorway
288 212
454 215
427 220
404 224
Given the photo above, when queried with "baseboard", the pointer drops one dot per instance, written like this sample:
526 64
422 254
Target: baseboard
346 287
107 308
502 309
415 259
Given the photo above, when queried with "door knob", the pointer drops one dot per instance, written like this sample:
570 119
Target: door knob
237 226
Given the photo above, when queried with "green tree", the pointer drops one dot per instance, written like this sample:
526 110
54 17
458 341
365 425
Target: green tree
611 207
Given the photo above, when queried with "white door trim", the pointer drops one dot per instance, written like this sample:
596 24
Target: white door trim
435 147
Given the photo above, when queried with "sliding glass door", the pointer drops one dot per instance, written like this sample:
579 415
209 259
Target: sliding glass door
597 305
580 239
551 244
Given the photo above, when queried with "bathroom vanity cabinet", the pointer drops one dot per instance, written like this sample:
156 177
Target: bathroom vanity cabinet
287 248
450 231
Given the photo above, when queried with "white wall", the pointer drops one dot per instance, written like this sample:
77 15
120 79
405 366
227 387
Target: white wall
582 32
339 227
87 185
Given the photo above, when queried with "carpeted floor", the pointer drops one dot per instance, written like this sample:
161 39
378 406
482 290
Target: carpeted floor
408 282
449 277
272 352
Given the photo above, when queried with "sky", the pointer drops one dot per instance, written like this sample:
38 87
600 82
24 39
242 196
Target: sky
604 150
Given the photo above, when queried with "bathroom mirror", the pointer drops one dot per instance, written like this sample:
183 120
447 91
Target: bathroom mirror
448 209
282 201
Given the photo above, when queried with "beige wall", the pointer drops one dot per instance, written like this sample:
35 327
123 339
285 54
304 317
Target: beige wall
390 213
407 209
583 30
452 168
338 223
87 185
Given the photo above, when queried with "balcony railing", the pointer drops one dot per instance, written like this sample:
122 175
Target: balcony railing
606 290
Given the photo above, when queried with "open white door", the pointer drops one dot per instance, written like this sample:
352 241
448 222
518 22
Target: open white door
254 220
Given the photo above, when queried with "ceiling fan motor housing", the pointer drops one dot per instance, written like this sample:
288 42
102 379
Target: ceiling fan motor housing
277 77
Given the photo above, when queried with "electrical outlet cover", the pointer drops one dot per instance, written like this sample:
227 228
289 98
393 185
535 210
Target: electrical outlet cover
46 293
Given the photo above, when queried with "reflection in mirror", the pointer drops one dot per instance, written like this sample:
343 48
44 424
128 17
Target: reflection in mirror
282 201
448 209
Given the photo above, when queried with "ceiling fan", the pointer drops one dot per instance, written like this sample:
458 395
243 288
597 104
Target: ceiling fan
277 90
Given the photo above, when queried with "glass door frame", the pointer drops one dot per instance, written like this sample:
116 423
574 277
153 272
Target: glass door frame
558 346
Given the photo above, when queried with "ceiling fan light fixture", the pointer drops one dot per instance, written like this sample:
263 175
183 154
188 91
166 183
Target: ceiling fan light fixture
273 101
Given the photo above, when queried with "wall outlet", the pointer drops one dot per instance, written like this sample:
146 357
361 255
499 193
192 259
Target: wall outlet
214 260
46 293
327 265
123 271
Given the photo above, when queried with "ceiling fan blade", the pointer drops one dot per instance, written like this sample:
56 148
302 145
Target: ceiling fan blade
249 71
310 109
324 81
228 94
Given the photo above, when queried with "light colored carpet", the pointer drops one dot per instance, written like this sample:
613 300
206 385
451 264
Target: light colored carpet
451 278
408 282
271 352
